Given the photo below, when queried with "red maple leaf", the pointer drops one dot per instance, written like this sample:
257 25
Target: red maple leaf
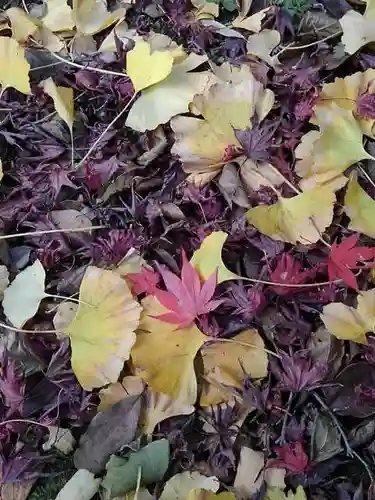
344 256
144 282
186 298
289 271
292 457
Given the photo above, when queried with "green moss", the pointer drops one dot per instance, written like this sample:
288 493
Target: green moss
57 475
295 7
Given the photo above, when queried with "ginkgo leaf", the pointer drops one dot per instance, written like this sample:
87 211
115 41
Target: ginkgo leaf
225 365
146 68
358 30
23 25
12 55
348 93
113 393
360 207
205 9
350 323
256 174
62 99
158 341
252 23
262 44
81 486
179 486
23 296
91 16
59 16
102 332
200 494
207 259
299 219
335 148
65 314
170 97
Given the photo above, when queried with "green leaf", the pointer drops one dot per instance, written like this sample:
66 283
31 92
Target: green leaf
122 473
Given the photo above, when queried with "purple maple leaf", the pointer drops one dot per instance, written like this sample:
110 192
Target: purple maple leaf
258 140
12 386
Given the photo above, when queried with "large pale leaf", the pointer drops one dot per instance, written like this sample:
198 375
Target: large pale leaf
179 486
23 296
81 486
249 479
102 332
262 44
225 365
59 16
358 30
158 341
91 16
62 99
12 55
299 219
360 207
199 494
23 25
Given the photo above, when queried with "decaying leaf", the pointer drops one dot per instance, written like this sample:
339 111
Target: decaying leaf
107 432
359 206
299 219
158 341
82 486
23 296
207 259
12 55
59 438
225 365
62 99
102 332
179 486
350 323
358 30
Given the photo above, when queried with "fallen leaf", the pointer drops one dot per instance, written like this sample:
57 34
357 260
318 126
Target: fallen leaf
62 99
299 219
252 23
59 438
256 174
102 332
23 25
350 323
249 479
205 9
358 30
82 486
359 206
107 432
207 259
275 493
145 68
151 462
65 313
262 44
59 16
171 96
91 16
113 393
158 341
230 185
199 494
16 490
12 55
179 486
225 365
23 296
4 280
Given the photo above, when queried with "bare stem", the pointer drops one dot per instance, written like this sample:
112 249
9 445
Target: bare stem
50 231
20 330
246 344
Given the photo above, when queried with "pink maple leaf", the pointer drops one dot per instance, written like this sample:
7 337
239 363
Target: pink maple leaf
186 298
292 457
144 282
289 271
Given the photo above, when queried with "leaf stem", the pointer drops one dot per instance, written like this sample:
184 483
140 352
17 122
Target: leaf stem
291 285
66 299
21 330
22 421
246 344
50 231
300 47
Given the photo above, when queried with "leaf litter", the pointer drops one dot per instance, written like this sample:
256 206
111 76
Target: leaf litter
187 250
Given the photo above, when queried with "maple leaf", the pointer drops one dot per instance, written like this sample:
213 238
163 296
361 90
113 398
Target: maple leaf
144 282
288 271
186 298
291 457
344 256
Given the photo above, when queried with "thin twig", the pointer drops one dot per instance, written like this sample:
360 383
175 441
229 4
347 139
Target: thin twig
301 47
246 344
365 174
50 231
23 421
291 285
281 440
21 330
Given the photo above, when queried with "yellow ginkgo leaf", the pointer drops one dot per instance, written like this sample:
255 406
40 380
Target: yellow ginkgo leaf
146 68
358 30
225 365
350 323
59 16
199 494
207 259
22 24
360 207
299 219
252 23
62 99
113 393
92 16
12 55
157 342
103 330
180 485
347 93
262 44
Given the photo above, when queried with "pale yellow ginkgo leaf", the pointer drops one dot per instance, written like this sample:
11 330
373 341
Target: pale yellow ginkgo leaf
205 9
59 16
103 330
358 30
121 32
225 365
23 25
157 342
207 259
350 323
200 494
92 16
255 175
360 207
113 393
180 485
326 154
12 55
252 23
262 44
62 99
347 93
146 68
299 219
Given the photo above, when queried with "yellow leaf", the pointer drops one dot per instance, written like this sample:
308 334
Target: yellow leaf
225 365
157 342
91 16
1 171
145 68
358 30
59 16
360 207
350 323
23 25
199 494
337 146
12 55
252 23
113 393
205 9
207 259
255 175
102 333
261 45
180 485
62 99
299 219
344 92
159 407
